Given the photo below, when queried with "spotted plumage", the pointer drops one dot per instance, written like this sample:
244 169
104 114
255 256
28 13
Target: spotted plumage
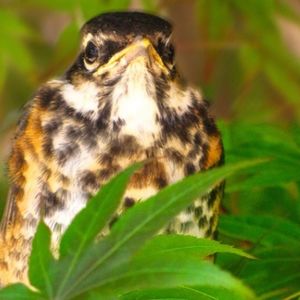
121 102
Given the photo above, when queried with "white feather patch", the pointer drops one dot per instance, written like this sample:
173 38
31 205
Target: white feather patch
83 99
133 102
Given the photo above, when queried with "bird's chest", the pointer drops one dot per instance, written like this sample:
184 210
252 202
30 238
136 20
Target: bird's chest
86 155
82 160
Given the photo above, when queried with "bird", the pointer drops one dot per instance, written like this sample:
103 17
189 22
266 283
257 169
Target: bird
122 101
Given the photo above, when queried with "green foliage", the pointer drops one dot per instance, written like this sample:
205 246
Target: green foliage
129 259
272 190
12 46
246 33
41 259
250 141
275 242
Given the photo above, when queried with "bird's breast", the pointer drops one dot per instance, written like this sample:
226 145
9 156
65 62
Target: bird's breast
134 103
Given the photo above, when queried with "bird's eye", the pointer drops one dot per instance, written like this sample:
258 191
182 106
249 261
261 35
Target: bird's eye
91 53
171 52
166 51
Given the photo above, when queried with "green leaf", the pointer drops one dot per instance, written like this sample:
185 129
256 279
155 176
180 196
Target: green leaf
18 292
170 271
184 293
169 294
251 140
186 245
138 224
265 230
284 259
40 260
221 293
293 296
274 173
90 221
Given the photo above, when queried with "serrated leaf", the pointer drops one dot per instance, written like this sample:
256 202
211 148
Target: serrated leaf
40 260
138 224
170 271
187 245
90 221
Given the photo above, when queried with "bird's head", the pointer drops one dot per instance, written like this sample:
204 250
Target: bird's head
125 74
112 42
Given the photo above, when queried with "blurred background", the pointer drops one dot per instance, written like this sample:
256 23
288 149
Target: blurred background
243 55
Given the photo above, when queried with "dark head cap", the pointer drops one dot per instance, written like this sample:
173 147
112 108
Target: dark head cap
128 23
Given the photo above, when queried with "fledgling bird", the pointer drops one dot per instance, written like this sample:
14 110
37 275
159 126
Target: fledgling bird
121 102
